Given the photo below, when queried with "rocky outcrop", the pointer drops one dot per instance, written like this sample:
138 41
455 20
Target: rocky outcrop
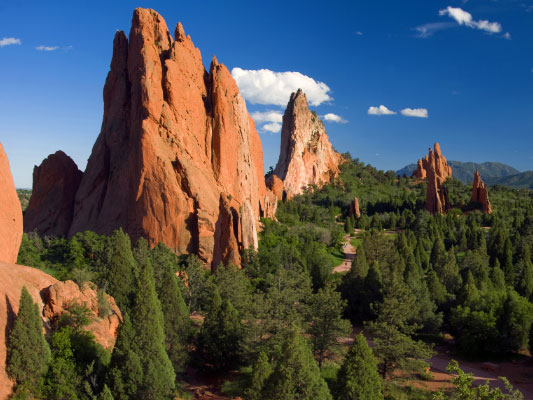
10 213
436 161
105 317
53 298
276 186
354 208
436 170
480 196
51 207
306 155
175 139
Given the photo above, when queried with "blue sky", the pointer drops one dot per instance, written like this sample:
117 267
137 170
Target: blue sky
468 64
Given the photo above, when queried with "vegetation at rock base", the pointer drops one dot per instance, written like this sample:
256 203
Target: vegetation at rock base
276 323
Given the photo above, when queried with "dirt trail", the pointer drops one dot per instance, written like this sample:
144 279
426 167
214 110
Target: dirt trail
349 255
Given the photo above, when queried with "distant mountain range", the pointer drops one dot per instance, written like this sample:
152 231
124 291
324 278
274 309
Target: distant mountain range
493 173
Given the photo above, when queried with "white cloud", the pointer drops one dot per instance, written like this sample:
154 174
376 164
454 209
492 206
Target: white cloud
381 110
334 118
273 127
264 86
47 48
507 36
463 17
415 112
359 33
7 41
427 30
267 116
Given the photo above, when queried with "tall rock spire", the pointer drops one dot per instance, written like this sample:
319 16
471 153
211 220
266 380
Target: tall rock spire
480 195
306 154
178 159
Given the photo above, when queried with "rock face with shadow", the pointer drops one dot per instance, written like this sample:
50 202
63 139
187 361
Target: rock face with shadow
480 195
10 213
175 140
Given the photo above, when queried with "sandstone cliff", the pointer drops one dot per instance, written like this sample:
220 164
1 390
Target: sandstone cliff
354 208
51 207
10 213
178 159
436 170
480 194
306 155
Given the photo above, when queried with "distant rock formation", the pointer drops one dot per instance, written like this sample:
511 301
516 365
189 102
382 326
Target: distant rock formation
276 186
306 155
437 162
436 170
479 194
52 298
10 213
178 159
354 208
59 296
51 207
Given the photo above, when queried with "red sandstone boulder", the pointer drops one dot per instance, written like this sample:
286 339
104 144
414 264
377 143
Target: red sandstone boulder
306 156
51 207
10 213
480 194
354 208
61 295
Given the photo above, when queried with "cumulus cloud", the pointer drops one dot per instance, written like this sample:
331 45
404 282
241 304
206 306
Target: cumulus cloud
8 41
47 48
507 36
415 112
463 17
381 110
267 116
273 127
334 118
264 86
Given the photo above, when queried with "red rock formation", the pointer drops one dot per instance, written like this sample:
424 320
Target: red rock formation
13 278
51 207
354 208
306 156
480 194
10 213
59 296
434 160
276 186
174 141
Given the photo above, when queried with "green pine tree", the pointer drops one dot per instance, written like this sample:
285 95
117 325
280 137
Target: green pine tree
220 338
261 371
106 394
28 353
148 324
296 374
358 378
125 375
176 319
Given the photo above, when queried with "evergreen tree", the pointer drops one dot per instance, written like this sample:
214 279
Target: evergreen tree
327 324
358 377
106 394
359 265
296 374
125 375
28 353
119 274
261 371
148 324
176 318
220 338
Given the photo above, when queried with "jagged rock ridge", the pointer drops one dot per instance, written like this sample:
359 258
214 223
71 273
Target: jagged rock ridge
306 155
480 194
178 159
51 207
